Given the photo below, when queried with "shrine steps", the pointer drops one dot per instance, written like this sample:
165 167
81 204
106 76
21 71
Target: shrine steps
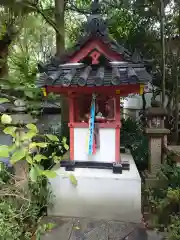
99 193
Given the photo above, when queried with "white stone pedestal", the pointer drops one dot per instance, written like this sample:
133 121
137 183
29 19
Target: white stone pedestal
99 194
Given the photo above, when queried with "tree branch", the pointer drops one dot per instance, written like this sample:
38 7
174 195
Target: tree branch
13 195
73 8
47 19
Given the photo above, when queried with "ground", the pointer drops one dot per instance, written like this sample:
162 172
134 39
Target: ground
90 229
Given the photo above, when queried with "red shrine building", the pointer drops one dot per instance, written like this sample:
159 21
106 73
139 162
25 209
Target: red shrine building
96 65
93 75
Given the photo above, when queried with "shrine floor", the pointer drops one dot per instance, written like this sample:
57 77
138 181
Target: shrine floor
90 229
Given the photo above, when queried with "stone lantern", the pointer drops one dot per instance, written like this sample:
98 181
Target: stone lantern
157 134
155 115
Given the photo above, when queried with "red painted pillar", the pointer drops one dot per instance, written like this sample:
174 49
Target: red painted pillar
118 126
71 126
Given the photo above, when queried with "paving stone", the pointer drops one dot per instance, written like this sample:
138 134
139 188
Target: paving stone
138 234
100 233
90 229
119 230
153 235
62 229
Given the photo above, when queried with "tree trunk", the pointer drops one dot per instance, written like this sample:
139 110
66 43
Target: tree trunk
144 102
60 34
163 64
176 113
60 47
3 63
5 42
142 117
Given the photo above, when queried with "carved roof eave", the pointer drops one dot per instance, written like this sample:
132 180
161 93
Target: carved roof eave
55 61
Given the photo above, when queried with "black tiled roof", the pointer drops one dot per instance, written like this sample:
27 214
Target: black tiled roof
52 73
95 76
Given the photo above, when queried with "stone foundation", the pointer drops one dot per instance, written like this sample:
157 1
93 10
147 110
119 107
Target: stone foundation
99 194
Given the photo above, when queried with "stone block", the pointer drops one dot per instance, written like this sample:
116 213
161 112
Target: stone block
99 193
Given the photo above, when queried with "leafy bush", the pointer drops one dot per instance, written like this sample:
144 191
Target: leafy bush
22 204
20 209
163 201
54 153
174 228
4 173
132 137
27 145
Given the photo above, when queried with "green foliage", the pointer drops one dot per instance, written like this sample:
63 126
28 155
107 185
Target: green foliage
24 148
4 151
6 119
22 206
163 200
21 209
174 228
133 137
4 173
54 151
43 228
73 179
3 100
52 138
26 52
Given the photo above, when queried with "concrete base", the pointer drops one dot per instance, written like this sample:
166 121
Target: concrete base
99 194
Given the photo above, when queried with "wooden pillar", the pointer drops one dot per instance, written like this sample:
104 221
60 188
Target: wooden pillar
64 116
117 133
71 126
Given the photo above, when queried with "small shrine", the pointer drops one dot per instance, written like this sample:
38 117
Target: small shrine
93 75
